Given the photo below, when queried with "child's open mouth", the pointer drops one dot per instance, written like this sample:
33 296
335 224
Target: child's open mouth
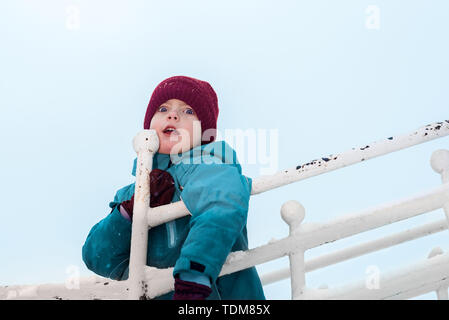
168 131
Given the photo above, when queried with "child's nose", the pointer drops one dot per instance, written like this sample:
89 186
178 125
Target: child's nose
173 115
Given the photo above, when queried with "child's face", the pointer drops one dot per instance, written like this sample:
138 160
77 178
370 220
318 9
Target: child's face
177 127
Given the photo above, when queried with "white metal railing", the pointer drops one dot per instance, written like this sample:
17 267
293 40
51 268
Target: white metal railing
303 237
149 282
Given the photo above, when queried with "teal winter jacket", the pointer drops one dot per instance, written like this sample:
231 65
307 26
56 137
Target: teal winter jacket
209 180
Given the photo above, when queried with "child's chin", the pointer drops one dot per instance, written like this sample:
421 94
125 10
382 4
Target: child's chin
173 149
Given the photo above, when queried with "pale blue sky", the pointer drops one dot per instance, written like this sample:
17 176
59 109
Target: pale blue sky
74 92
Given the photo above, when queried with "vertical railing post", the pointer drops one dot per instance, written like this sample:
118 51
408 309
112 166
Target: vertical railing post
440 164
293 213
145 143
442 293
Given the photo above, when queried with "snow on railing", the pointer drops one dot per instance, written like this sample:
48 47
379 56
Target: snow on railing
149 282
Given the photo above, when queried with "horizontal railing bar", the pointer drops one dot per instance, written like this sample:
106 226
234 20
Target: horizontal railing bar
423 289
428 274
86 288
165 213
435 269
240 260
358 250
353 156
313 236
376 217
378 244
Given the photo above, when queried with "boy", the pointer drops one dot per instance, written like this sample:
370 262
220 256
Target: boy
192 167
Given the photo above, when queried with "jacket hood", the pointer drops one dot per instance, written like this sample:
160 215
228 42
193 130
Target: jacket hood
218 152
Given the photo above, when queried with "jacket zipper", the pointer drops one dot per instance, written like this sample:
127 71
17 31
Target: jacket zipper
171 226
171 234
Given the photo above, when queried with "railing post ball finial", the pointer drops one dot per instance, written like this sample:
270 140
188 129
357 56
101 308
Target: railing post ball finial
440 160
293 213
146 140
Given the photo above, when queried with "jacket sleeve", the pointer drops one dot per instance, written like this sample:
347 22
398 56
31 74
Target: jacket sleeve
107 247
217 196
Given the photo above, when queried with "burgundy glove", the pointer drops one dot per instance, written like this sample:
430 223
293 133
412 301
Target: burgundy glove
128 205
162 188
186 290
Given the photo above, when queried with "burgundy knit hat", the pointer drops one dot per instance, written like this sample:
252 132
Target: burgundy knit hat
196 93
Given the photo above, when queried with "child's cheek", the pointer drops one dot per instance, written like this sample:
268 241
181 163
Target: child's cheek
156 122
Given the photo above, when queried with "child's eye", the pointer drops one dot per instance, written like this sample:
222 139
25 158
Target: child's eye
162 109
189 111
